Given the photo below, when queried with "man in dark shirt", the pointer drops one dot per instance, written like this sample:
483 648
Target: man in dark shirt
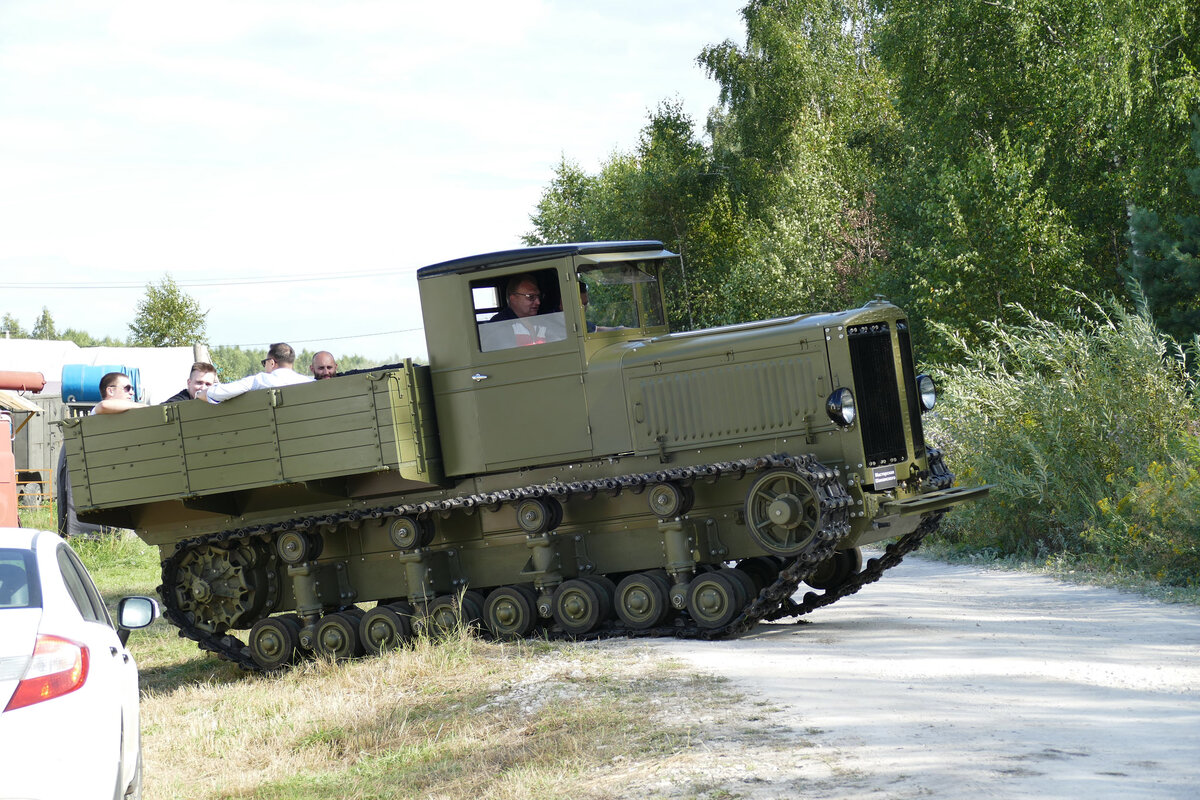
524 299
202 376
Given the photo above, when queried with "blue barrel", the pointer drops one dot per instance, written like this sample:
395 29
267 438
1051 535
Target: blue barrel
81 382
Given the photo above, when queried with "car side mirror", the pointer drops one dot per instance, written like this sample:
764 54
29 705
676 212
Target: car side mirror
133 613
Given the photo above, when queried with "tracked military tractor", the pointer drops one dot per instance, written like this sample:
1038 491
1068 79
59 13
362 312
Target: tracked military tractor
564 465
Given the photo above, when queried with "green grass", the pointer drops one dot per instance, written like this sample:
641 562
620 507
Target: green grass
42 518
455 717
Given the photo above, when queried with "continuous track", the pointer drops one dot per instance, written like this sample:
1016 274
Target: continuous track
772 602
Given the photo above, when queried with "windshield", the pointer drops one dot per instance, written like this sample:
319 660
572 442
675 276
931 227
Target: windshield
622 294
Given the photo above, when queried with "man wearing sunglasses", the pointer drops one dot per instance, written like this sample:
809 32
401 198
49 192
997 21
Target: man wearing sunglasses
277 371
116 394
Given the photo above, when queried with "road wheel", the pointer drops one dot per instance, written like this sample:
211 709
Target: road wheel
834 571
712 600
642 601
273 642
744 583
386 627
763 570
578 605
337 636
510 612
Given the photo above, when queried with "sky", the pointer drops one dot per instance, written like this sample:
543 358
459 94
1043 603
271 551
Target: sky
292 163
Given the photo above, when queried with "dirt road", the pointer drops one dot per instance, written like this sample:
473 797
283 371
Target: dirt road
958 682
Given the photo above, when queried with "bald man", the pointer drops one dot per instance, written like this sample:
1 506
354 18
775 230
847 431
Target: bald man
323 366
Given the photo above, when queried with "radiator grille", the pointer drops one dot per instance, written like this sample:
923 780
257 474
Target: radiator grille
876 392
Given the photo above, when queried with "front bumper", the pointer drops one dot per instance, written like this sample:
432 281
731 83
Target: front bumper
934 501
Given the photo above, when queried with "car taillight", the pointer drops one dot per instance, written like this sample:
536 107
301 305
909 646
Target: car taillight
58 666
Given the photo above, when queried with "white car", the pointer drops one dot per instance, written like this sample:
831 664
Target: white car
68 687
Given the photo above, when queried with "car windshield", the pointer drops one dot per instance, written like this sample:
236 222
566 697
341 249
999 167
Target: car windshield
623 294
19 587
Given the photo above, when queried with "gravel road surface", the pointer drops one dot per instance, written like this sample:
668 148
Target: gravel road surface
949 681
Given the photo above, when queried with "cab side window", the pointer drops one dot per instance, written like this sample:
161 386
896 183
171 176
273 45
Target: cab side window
518 310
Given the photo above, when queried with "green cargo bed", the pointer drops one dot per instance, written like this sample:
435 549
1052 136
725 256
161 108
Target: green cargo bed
373 422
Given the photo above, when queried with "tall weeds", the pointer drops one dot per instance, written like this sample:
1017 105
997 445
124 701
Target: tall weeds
1088 429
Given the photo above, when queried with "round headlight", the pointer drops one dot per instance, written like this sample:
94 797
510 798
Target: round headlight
840 407
927 391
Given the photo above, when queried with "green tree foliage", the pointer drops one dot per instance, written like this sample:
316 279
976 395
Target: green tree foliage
233 362
167 317
44 327
666 189
985 243
797 98
1165 260
774 214
10 326
562 213
990 165
1082 106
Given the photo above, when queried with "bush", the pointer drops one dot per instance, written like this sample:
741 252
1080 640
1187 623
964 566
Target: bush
1153 527
1088 430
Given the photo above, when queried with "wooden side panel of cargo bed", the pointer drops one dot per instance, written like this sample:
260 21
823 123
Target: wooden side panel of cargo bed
348 426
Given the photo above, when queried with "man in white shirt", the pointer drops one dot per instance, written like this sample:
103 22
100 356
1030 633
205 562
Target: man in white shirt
277 371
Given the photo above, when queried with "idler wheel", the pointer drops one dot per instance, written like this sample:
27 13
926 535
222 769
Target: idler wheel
783 512
409 533
642 601
670 500
386 627
712 600
336 636
274 642
578 606
836 570
510 612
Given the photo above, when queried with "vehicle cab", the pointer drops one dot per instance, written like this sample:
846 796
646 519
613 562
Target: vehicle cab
510 337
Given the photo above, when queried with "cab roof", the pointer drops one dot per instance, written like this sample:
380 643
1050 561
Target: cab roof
526 255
